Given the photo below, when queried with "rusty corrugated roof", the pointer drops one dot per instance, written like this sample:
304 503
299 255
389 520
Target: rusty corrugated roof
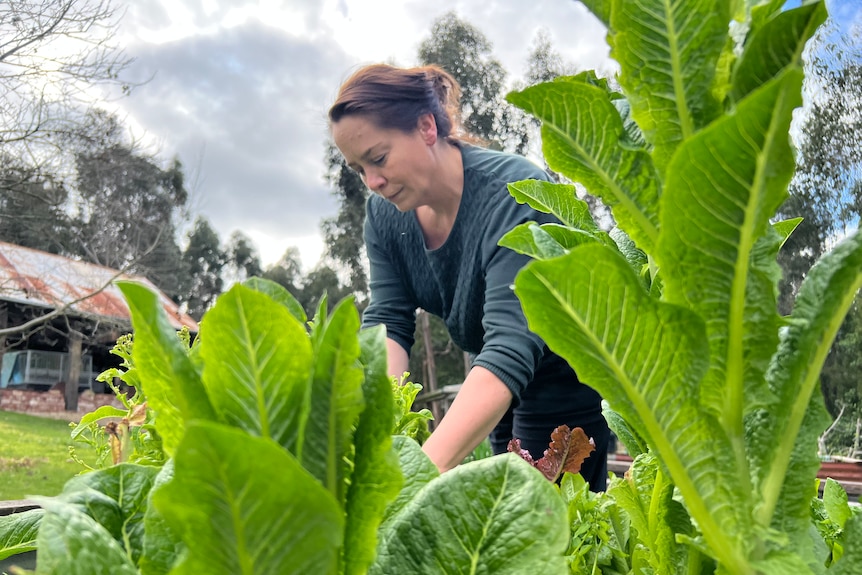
46 280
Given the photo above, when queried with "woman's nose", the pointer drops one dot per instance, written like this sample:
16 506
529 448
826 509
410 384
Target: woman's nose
374 181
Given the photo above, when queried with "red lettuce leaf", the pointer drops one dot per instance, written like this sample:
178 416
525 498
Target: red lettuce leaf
566 452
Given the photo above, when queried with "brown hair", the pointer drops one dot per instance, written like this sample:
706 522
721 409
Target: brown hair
395 98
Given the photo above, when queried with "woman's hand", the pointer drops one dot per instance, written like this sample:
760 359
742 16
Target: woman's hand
480 404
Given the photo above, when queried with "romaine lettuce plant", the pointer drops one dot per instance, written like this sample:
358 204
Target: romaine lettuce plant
279 434
673 315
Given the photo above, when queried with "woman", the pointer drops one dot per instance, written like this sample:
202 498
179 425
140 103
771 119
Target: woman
439 207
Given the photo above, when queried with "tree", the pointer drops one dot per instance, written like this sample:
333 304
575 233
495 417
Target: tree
32 206
463 51
128 209
310 288
841 384
287 271
322 280
51 53
342 234
544 62
242 256
204 260
826 191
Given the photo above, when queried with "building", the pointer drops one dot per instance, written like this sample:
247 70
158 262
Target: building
60 317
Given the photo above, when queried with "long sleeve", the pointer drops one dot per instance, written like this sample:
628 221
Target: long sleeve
510 350
391 303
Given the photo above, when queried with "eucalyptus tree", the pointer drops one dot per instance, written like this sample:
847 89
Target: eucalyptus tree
465 52
342 233
204 260
128 207
32 206
242 256
826 191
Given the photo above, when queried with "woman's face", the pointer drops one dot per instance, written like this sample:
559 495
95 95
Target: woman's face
393 164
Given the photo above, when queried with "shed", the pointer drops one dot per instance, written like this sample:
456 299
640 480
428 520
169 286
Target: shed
93 313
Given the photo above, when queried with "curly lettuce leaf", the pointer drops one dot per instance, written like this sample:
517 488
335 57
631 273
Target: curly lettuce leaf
566 452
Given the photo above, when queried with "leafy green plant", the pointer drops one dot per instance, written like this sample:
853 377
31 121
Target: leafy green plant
413 424
673 316
282 460
128 434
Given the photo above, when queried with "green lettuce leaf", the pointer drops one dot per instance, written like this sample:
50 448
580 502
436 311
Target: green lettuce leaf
668 52
280 294
722 187
786 227
478 518
418 471
336 395
647 495
117 498
824 299
408 422
170 381
244 505
851 562
835 502
581 138
533 240
557 199
18 532
376 477
774 46
162 547
634 443
73 543
257 358
601 9
646 358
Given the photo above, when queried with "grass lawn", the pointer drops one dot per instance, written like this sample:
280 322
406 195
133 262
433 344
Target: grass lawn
34 456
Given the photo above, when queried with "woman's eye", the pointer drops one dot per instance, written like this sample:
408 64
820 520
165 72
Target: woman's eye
379 161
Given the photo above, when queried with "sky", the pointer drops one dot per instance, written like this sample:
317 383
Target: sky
239 90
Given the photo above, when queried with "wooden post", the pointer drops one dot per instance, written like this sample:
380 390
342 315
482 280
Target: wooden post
4 321
74 370
430 365
855 452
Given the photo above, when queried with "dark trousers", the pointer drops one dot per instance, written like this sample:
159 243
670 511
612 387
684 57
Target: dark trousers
545 407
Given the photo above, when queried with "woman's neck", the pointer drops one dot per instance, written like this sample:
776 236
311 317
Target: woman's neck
437 217
445 197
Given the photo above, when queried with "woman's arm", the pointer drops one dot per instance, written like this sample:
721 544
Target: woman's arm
480 404
397 359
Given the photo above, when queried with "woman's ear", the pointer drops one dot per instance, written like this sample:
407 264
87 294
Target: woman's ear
427 127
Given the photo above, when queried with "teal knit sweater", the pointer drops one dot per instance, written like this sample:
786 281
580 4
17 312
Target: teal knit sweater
468 280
